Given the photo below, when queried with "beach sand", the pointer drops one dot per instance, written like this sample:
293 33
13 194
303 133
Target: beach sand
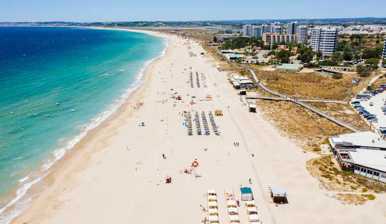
117 173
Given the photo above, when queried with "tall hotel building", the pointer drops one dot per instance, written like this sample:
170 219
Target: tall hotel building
324 41
302 34
384 50
291 28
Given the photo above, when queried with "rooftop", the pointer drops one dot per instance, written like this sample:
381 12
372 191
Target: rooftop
375 159
359 139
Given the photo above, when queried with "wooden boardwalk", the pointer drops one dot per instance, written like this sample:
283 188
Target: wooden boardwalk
302 104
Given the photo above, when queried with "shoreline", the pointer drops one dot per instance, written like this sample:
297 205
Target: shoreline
33 183
118 176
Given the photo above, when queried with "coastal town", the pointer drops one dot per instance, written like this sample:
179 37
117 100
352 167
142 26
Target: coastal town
324 51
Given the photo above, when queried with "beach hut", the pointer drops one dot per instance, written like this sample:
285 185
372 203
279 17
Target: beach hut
246 194
252 107
279 195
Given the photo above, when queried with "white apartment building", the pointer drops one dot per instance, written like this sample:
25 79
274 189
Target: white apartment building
270 39
252 31
302 34
324 40
247 30
384 50
257 31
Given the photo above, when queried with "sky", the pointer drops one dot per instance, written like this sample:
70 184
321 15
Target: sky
185 10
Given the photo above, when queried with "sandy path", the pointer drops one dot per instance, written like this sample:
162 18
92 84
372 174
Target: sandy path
117 174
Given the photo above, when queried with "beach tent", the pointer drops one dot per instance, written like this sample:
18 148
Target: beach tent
278 195
246 194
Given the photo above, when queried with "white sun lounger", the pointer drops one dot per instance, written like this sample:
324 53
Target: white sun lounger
212 204
212 198
254 218
231 203
233 210
213 211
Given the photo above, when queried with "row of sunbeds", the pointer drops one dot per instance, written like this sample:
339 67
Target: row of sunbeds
232 209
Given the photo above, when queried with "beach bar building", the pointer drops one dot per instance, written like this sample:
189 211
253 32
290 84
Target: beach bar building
246 194
363 153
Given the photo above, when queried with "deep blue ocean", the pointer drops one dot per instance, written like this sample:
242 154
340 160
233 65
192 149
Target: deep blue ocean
54 83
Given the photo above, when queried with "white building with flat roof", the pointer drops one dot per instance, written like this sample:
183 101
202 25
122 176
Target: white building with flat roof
324 40
363 153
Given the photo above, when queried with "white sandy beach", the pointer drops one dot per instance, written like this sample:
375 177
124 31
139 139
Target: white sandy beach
117 174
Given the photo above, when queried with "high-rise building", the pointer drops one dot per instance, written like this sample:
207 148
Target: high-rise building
275 28
291 28
270 39
266 28
324 41
257 31
302 34
247 30
384 50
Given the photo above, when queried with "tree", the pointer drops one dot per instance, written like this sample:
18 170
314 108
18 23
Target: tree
363 70
283 56
305 54
372 53
337 58
372 62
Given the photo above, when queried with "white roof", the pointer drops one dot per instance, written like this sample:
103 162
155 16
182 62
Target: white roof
375 159
360 139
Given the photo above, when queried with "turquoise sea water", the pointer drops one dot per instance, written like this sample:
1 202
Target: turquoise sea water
54 83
